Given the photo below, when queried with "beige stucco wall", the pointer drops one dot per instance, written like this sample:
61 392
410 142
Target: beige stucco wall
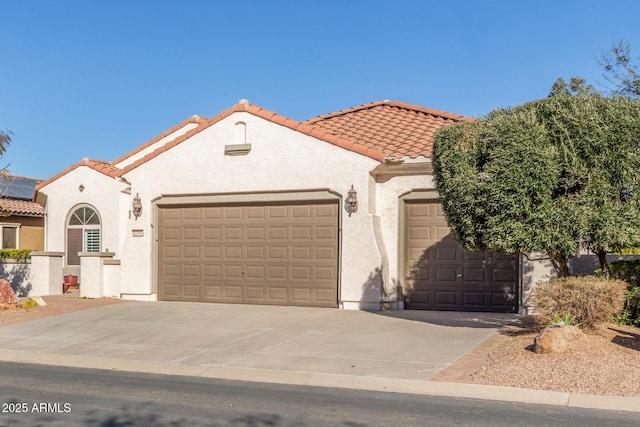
387 208
280 160
31 231
63 197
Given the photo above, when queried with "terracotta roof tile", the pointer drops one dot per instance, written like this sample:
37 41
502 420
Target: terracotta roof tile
392 127
101 166
376 130
193 119
21 207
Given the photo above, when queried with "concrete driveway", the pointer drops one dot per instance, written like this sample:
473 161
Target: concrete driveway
251 342
395 351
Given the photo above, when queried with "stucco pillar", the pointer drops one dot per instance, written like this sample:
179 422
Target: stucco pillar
46 273
91 273
111 277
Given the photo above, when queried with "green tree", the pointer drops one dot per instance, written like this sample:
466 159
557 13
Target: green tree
549 176
576 86
5 139
621 70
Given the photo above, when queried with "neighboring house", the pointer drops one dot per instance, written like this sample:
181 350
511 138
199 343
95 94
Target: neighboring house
21 220
253 207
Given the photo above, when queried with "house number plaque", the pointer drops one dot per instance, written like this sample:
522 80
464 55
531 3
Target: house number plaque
137 233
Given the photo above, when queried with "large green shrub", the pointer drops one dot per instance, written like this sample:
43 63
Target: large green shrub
629 271
589 300
550 176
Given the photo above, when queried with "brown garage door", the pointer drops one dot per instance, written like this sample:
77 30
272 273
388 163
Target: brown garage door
441 275
281 254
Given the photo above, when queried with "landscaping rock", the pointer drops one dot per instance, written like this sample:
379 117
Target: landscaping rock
554 339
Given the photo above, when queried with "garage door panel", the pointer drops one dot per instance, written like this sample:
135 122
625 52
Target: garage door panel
256 272
172 234
446 298
277 233
278 295
232 213
256 212
324 295
441 275
212 271
277 253
264 254
212 213
327 253
255 293
328 212
232 271
256 253
191 252
213 253
256 234
301 295
233 292
213 233
276 272
212 291
232 233
232 253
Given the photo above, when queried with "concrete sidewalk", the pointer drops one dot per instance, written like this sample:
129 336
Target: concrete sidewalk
397 351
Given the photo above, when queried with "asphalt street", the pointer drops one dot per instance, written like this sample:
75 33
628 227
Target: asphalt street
40 395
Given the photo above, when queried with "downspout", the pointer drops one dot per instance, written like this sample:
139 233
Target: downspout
376 223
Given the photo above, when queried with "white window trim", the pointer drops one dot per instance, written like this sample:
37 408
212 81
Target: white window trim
4 225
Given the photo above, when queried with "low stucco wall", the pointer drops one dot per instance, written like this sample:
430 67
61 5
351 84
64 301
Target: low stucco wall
19 274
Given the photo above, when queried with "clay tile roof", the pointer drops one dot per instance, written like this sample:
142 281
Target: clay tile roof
15 195
101 166
21 207
395 128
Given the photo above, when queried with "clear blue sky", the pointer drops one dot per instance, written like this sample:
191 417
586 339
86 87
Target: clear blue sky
98 78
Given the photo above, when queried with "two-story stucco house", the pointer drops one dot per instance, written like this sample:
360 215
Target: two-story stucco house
256 208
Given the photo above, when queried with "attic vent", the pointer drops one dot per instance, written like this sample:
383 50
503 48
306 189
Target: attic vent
237 149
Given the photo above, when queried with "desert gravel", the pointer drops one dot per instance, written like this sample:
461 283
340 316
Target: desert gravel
609 366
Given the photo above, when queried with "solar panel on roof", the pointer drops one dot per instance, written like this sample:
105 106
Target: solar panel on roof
17 188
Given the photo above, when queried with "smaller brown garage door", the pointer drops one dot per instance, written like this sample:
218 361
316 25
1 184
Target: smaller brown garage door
279 253
441 275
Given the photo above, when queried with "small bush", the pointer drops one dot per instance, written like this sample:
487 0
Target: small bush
7 296
29 304
589 300
15 253
629 271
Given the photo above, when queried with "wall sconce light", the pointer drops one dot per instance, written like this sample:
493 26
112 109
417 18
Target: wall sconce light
137 206
351 204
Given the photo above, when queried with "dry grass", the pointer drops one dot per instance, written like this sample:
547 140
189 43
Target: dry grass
590 300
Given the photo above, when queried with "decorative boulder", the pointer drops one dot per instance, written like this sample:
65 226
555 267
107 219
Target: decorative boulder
560 339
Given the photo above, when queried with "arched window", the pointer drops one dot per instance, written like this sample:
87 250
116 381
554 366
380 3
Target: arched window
83 233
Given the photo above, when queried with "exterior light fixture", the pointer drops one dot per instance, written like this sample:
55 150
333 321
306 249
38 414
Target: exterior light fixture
351 204
137 206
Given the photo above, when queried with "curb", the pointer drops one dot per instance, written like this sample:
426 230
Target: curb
389 385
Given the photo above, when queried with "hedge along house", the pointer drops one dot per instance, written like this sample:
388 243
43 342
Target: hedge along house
256 208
